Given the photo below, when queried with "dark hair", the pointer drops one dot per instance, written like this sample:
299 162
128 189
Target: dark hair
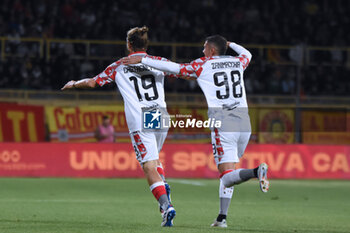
105 117
138 38
219 42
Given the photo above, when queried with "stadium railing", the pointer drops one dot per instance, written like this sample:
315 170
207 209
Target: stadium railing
296 57
184 99
107 50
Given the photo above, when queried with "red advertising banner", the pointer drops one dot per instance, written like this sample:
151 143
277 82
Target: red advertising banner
187 161
326 127
21 123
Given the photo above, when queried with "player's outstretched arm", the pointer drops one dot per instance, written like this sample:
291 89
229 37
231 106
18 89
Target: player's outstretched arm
154 62
81 84
172 69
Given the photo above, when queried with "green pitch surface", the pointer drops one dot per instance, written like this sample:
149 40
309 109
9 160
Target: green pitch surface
126 205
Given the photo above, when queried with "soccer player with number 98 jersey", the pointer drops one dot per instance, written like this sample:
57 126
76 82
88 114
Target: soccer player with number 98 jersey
221 80
142 88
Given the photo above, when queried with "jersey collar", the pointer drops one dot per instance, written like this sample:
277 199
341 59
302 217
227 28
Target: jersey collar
137 53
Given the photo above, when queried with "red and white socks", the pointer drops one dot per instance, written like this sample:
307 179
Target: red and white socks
159 192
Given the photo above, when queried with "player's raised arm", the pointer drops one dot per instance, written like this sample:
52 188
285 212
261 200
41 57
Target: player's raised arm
239 49
243 54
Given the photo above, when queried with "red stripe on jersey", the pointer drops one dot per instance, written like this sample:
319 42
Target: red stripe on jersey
184 71
108 75
219 148
195 67
169 75
139 144
199 71
158 191
225 172
244 60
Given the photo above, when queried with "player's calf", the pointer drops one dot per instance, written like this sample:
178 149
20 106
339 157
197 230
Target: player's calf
234 177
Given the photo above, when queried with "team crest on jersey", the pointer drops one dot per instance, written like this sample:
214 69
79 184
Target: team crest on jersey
152 119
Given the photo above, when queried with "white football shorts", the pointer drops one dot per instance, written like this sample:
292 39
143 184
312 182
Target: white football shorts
228 147
147 145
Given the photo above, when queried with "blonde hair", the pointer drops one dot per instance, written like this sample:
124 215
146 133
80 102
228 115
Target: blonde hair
138 38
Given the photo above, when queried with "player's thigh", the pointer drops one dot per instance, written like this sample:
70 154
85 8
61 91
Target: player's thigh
225 146
145 146
160 138
242 143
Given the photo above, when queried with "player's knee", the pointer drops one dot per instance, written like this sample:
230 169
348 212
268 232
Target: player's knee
148 169
226 181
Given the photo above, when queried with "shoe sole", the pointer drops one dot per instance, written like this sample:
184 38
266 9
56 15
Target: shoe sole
219 225
264 183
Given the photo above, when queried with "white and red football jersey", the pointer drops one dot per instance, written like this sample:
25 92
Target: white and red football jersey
220 77
140 85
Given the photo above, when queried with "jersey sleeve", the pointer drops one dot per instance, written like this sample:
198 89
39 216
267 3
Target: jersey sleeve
193 69
163 64
244 55
153 62
244 60
108 75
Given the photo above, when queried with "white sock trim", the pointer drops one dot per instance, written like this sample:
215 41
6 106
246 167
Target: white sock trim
155 185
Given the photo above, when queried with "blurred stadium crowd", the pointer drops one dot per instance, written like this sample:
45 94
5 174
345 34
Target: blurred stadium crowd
296 23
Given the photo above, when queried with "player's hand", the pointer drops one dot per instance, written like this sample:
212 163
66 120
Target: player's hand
131 60
228 44
69 85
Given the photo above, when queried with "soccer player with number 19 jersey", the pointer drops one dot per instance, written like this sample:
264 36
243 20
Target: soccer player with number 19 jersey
142 87
221 80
